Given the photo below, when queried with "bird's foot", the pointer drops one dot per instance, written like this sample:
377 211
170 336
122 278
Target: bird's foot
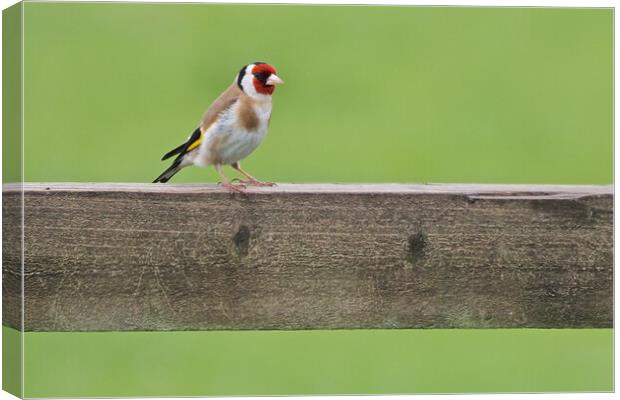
254 182
234 187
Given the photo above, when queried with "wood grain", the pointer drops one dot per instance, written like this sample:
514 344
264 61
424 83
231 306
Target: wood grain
12 255
178 257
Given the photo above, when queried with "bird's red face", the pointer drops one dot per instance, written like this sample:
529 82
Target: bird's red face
265 78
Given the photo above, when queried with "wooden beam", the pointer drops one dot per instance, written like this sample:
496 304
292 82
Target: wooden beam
178 257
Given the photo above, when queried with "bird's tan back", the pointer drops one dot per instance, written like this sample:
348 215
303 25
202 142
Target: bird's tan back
224 101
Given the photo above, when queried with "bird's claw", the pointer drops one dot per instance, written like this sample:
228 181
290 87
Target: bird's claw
239 187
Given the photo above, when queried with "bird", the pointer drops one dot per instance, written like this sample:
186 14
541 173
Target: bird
232 127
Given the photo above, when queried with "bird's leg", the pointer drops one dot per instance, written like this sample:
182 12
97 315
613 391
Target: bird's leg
251 180
226 183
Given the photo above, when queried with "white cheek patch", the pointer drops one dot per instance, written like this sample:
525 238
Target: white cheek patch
246 82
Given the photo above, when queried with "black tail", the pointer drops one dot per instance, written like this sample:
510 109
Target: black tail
169 173
181 151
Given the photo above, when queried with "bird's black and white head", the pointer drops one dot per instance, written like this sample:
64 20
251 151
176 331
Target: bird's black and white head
258 79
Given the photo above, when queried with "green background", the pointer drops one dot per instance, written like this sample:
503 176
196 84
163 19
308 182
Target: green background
372 94
317 362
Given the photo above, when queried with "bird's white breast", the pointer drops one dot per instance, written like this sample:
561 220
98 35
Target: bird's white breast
227 140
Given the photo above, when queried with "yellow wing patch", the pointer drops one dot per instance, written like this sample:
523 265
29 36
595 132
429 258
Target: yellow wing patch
196 143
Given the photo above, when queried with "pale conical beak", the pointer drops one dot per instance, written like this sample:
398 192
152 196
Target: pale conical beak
274 80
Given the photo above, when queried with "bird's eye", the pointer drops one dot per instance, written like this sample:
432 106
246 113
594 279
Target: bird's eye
261 76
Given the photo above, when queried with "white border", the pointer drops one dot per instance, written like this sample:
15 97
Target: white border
438 3
543 3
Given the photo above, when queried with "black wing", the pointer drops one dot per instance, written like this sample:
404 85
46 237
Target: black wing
182 149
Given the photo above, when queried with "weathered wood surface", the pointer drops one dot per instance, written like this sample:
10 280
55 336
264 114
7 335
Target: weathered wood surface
11 256
175 257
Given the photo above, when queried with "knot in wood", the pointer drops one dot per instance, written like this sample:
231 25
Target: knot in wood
416 246
242 240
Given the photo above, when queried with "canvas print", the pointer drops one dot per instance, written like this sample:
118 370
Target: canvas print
233 199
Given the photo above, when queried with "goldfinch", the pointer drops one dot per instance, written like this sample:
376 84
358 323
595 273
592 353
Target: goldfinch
231 128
